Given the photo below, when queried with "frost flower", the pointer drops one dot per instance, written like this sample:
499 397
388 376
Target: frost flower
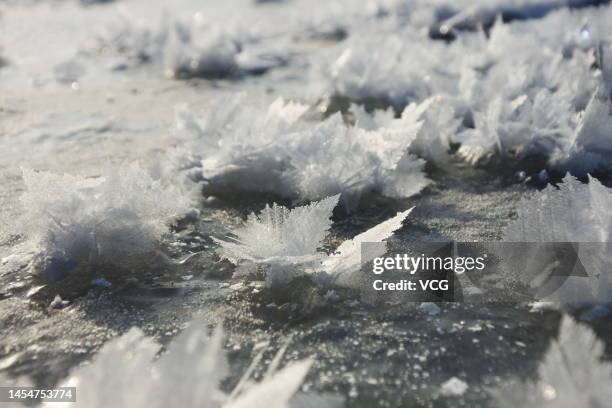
243 149
333 158
282 240
285 242
571 375
126 373
238 146
72 219
577 213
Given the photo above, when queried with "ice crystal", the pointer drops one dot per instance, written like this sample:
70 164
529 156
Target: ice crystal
334 20
71 219
574 212
279 232
284 241
503 97
245 150
334 158
343 265
572 374
186 48
238 146
392 68
528 101
524 99
132 42
195 50
590 149
126 373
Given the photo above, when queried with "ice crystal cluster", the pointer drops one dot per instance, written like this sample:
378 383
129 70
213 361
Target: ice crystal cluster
71 219
186 48
573 212
527 90
243 149
335 19
126 372
572 374
238 146
332 158
286 244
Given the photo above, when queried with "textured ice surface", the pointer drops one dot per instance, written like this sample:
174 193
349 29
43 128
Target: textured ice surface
519 103
333 158
345 264
177 47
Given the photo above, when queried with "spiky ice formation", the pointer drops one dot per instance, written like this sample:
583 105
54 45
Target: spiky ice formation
198 50
187 48
73 219
243 149
572 374
391 68
333 158
238 146
284 241
578 213
344 265
590 149
126 373
520 95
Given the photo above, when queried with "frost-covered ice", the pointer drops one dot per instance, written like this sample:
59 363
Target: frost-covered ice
345 263
179 48
283 241
334 158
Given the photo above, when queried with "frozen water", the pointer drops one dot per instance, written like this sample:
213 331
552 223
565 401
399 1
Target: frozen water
285 243
279 232
344 265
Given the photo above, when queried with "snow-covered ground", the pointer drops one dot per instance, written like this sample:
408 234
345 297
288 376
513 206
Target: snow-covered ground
175 160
